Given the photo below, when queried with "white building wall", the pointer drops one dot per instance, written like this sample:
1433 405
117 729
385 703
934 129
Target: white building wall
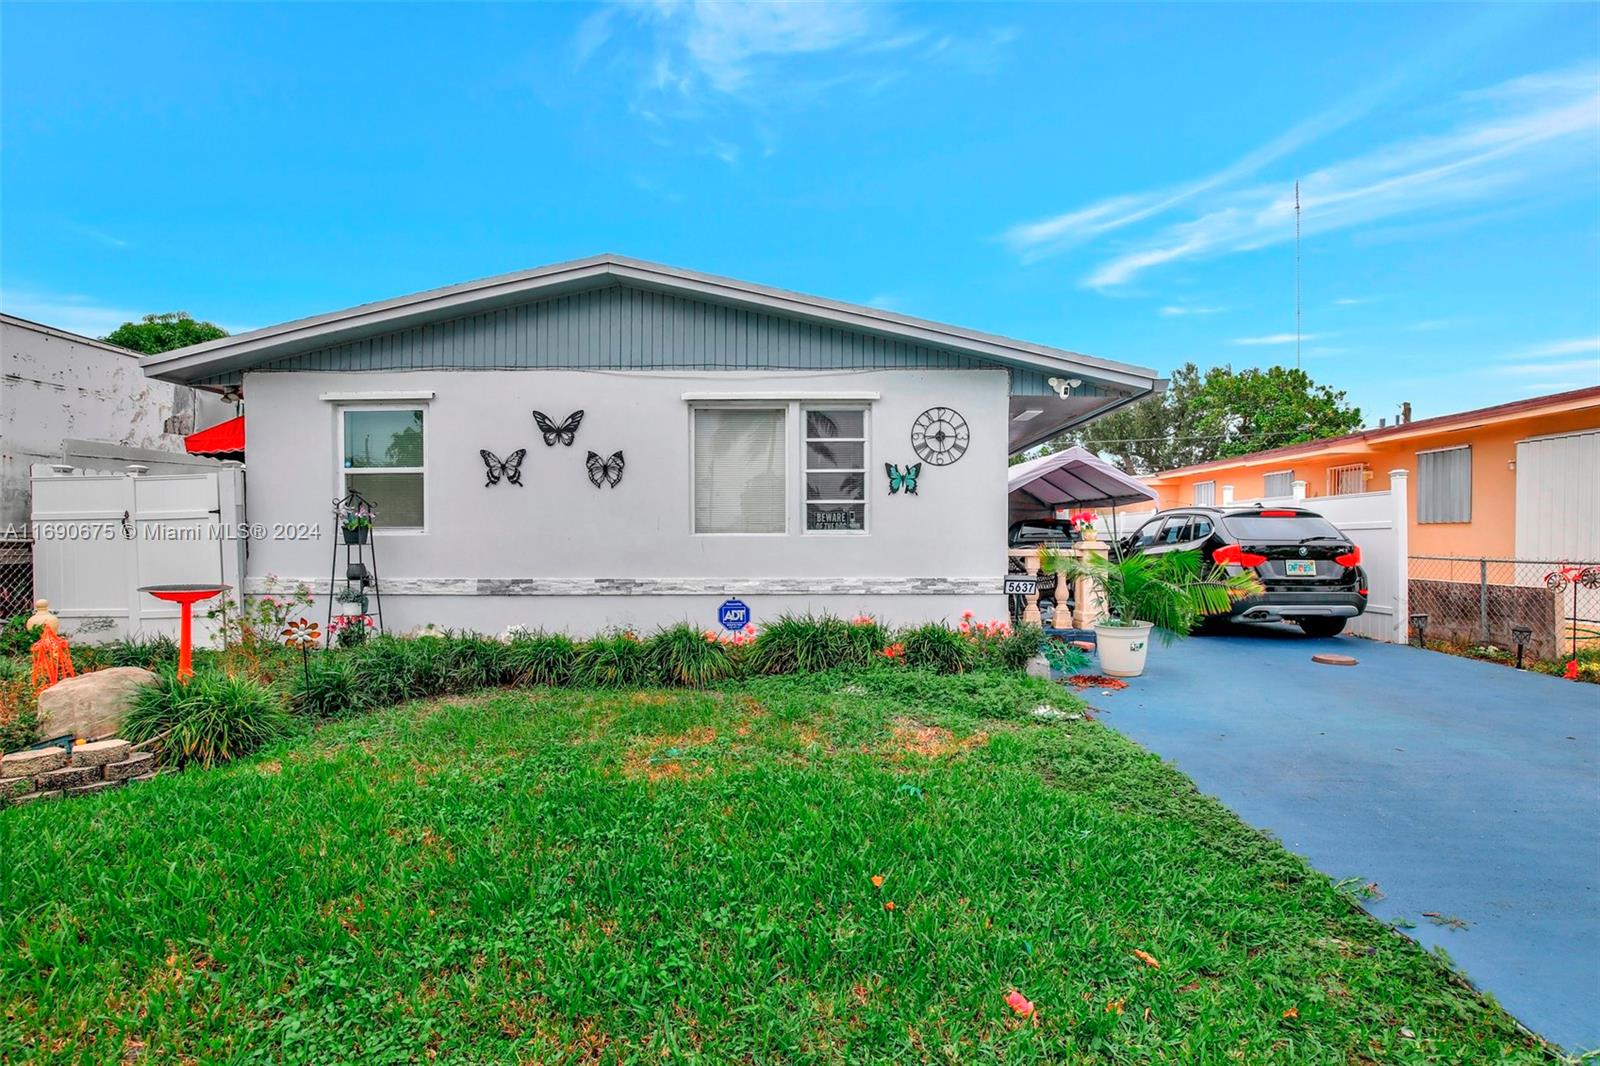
582 559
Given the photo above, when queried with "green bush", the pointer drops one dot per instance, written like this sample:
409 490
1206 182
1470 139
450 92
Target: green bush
938 648
15 636
330 687
808 643
614 660
683 655
1013 649
213 717
476 662
384 670
541 659
148 653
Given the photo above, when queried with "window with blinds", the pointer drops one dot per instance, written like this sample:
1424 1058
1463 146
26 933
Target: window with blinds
1205 493
1278 484
1444 485
383 459
836 470
1345 480
739 482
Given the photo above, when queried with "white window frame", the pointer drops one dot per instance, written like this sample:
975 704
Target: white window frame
340 470
1194 494
1277 473
866 467
1423 487
1333 478
784 408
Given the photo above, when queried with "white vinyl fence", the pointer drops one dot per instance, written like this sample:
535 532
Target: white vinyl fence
99 536
1375 521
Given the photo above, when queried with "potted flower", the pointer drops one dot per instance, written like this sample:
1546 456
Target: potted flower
1083 525
1168 593
353 595
357 524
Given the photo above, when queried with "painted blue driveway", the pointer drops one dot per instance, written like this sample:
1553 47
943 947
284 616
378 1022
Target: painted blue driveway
1463 788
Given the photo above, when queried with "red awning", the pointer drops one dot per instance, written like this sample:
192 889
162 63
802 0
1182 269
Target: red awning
223 437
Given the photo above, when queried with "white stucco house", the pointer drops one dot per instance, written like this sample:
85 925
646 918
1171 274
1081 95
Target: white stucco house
735 441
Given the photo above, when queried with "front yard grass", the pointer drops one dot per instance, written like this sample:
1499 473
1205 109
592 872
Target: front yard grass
547 875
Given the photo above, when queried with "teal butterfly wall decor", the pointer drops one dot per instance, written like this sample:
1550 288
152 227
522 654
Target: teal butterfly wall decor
903 479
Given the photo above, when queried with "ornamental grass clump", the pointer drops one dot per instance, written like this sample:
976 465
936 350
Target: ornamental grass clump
938 648
541 659
683 655
614 660
811 643
211 718
476 662
329 688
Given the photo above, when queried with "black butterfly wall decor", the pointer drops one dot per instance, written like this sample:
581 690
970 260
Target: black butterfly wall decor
603 472
563 433
509 468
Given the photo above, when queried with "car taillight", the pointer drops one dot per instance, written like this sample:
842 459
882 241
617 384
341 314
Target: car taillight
1233 555
1349 558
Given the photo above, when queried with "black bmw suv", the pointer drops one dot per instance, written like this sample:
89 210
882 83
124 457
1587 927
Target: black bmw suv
1310 572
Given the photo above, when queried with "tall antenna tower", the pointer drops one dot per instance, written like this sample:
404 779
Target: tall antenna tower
1297 274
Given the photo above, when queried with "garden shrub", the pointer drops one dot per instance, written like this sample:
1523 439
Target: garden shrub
384 670
613 660
15 636
213 717
329 687
19 715
541 659
938 648
475 662
683 655
809 643
147 653
1003 645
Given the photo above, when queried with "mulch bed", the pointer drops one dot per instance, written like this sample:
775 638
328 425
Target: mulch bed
1096 681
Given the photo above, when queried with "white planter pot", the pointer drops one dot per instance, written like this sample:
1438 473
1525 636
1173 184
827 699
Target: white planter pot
1122 648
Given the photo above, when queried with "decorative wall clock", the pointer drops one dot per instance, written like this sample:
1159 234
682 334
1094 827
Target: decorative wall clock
563 433
603 472
940 436
509 468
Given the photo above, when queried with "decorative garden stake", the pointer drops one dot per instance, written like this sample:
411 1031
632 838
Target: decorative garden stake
604 472
903 479
302 634
563 433
509 468
52 659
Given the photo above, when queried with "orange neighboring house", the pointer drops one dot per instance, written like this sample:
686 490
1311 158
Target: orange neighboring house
1517 480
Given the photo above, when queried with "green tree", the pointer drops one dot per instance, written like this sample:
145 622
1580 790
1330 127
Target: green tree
162 333
1222 413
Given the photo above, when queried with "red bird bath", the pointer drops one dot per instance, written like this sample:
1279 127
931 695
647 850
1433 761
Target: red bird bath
187 596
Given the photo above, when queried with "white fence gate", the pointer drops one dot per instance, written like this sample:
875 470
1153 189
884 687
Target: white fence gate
99 536
1377 523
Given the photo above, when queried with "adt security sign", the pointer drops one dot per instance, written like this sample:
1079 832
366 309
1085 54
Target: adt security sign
733 614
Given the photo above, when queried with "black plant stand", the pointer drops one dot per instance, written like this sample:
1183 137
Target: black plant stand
360 563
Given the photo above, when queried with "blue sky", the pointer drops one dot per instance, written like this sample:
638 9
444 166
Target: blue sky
1112 179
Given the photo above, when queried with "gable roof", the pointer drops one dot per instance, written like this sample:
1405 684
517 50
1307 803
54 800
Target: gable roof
236 353
1574 400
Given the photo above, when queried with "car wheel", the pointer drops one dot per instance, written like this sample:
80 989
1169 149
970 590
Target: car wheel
1322 627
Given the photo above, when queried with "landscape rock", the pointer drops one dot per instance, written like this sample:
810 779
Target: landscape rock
100 753
136 765
68 777
12 787
91 705
94 786
35 797
32 763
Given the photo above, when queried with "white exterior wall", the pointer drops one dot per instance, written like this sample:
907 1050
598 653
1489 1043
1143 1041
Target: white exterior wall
565 543
55 386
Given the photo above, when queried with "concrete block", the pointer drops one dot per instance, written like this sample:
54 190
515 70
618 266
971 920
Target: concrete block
32 763
144 777
68 777
135 765
100 753
35 797
93 787
12 787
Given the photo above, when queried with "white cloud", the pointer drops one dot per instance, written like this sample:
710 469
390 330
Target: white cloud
1575 346
1352 301
1278 338
1590 367
71 312
1174 310
1511 140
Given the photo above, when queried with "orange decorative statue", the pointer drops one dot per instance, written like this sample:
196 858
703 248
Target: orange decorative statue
52 659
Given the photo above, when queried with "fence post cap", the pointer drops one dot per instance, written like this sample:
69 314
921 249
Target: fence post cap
1402 472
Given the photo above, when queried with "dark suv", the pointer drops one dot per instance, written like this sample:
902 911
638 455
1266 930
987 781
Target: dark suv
1309 571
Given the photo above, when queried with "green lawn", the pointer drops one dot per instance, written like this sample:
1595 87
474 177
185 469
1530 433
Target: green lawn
554 876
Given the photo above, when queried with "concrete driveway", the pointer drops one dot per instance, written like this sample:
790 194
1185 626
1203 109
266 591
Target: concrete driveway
1463 788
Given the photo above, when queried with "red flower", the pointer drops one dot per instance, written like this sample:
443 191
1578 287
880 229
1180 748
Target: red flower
1571 672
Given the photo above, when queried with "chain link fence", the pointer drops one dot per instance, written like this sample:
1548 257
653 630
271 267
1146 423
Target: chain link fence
16 577
1481 601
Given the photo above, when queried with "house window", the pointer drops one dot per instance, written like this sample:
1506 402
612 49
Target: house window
1205 493
1280 483
835 461
739 468
1444 485
384 458
1346 480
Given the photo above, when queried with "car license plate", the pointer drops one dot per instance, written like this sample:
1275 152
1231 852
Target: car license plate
1300 568
1021 586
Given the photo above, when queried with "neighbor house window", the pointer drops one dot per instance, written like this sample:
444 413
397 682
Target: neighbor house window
1278 484
1345 480
1444 485
1205 493
384 459
835 461
739 470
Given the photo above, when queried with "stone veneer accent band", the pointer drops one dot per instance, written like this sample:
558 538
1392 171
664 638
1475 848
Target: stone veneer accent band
659 586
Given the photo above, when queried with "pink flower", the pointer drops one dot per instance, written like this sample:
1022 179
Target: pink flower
750 629
966 614
1019 1003
965 627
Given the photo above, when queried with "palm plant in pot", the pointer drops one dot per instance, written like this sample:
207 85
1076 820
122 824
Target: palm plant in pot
1169 594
